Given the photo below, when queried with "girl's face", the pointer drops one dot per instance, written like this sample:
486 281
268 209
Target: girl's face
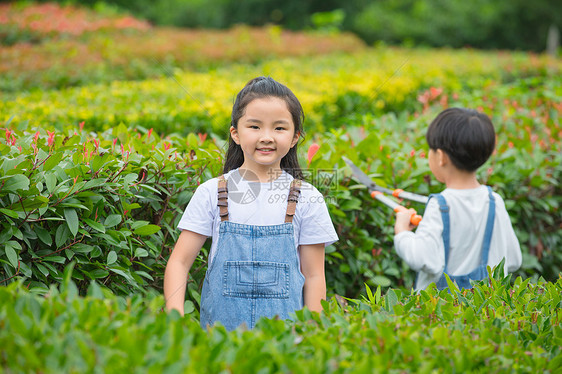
265 133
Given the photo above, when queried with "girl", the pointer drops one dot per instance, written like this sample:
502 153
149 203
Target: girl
268 228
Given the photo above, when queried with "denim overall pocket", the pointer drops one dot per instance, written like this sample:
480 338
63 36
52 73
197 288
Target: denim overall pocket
256 279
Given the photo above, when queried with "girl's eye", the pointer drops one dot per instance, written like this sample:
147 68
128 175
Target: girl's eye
254 127
280 128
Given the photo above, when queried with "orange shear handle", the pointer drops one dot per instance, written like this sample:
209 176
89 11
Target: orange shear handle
415 219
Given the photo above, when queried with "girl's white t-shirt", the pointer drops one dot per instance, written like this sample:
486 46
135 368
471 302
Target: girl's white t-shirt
259 204
424 250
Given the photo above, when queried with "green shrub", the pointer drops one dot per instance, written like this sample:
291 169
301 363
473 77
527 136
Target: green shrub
495 327
110 203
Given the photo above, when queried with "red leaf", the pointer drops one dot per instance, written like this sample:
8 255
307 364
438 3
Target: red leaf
312 151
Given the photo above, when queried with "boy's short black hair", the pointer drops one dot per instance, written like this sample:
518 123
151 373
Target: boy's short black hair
466 135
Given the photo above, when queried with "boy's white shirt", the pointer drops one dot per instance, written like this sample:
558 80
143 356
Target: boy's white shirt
259 204
424 250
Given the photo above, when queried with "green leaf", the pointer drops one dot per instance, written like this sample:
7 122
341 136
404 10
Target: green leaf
112 220
99 273
53 161
468 315
192 140
122 273
370 296
390 300
94 290
135 225
9 213
381 280
43 235
147 230
61 236
5 233
144 274
82 248
96 163
74 205
94 183
111 257
57 259
452 285
11 253
95 225
16 182
33 203
69 253
129 178
51 182
149 188
188 307
141 252
71 220
43 269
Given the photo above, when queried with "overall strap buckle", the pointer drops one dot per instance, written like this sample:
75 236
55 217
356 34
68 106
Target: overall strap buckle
292 199
222 202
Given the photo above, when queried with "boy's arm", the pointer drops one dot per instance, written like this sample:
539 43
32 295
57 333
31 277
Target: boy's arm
312 267
510 242
422 250
175 277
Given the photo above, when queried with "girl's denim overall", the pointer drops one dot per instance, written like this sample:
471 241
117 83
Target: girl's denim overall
255 271
463 281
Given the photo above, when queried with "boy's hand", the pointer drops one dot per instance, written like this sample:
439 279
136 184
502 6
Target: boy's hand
403 221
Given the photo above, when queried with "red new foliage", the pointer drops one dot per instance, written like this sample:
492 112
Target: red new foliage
53 19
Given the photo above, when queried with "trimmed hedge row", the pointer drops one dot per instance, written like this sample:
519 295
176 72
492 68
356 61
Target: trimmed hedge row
330 87
495 327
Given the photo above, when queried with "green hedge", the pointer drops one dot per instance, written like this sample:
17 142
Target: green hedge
495 327
115 212
110 203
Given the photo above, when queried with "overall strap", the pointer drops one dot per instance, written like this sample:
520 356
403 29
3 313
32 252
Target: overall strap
292 199
223 198
444 208
489 228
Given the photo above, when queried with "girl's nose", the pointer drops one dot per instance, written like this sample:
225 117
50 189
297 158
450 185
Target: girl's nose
266 137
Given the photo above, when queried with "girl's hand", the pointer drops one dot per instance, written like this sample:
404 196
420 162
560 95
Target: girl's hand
403 221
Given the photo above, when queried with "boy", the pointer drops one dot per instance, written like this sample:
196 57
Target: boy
459 234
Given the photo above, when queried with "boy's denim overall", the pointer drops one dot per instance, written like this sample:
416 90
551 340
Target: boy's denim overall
463 281
255 271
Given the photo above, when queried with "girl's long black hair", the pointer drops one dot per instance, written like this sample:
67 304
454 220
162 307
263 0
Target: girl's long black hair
258 88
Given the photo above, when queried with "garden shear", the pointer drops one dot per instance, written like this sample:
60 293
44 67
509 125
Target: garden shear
378 192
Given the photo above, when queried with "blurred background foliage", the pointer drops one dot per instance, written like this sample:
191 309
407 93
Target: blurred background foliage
497 24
